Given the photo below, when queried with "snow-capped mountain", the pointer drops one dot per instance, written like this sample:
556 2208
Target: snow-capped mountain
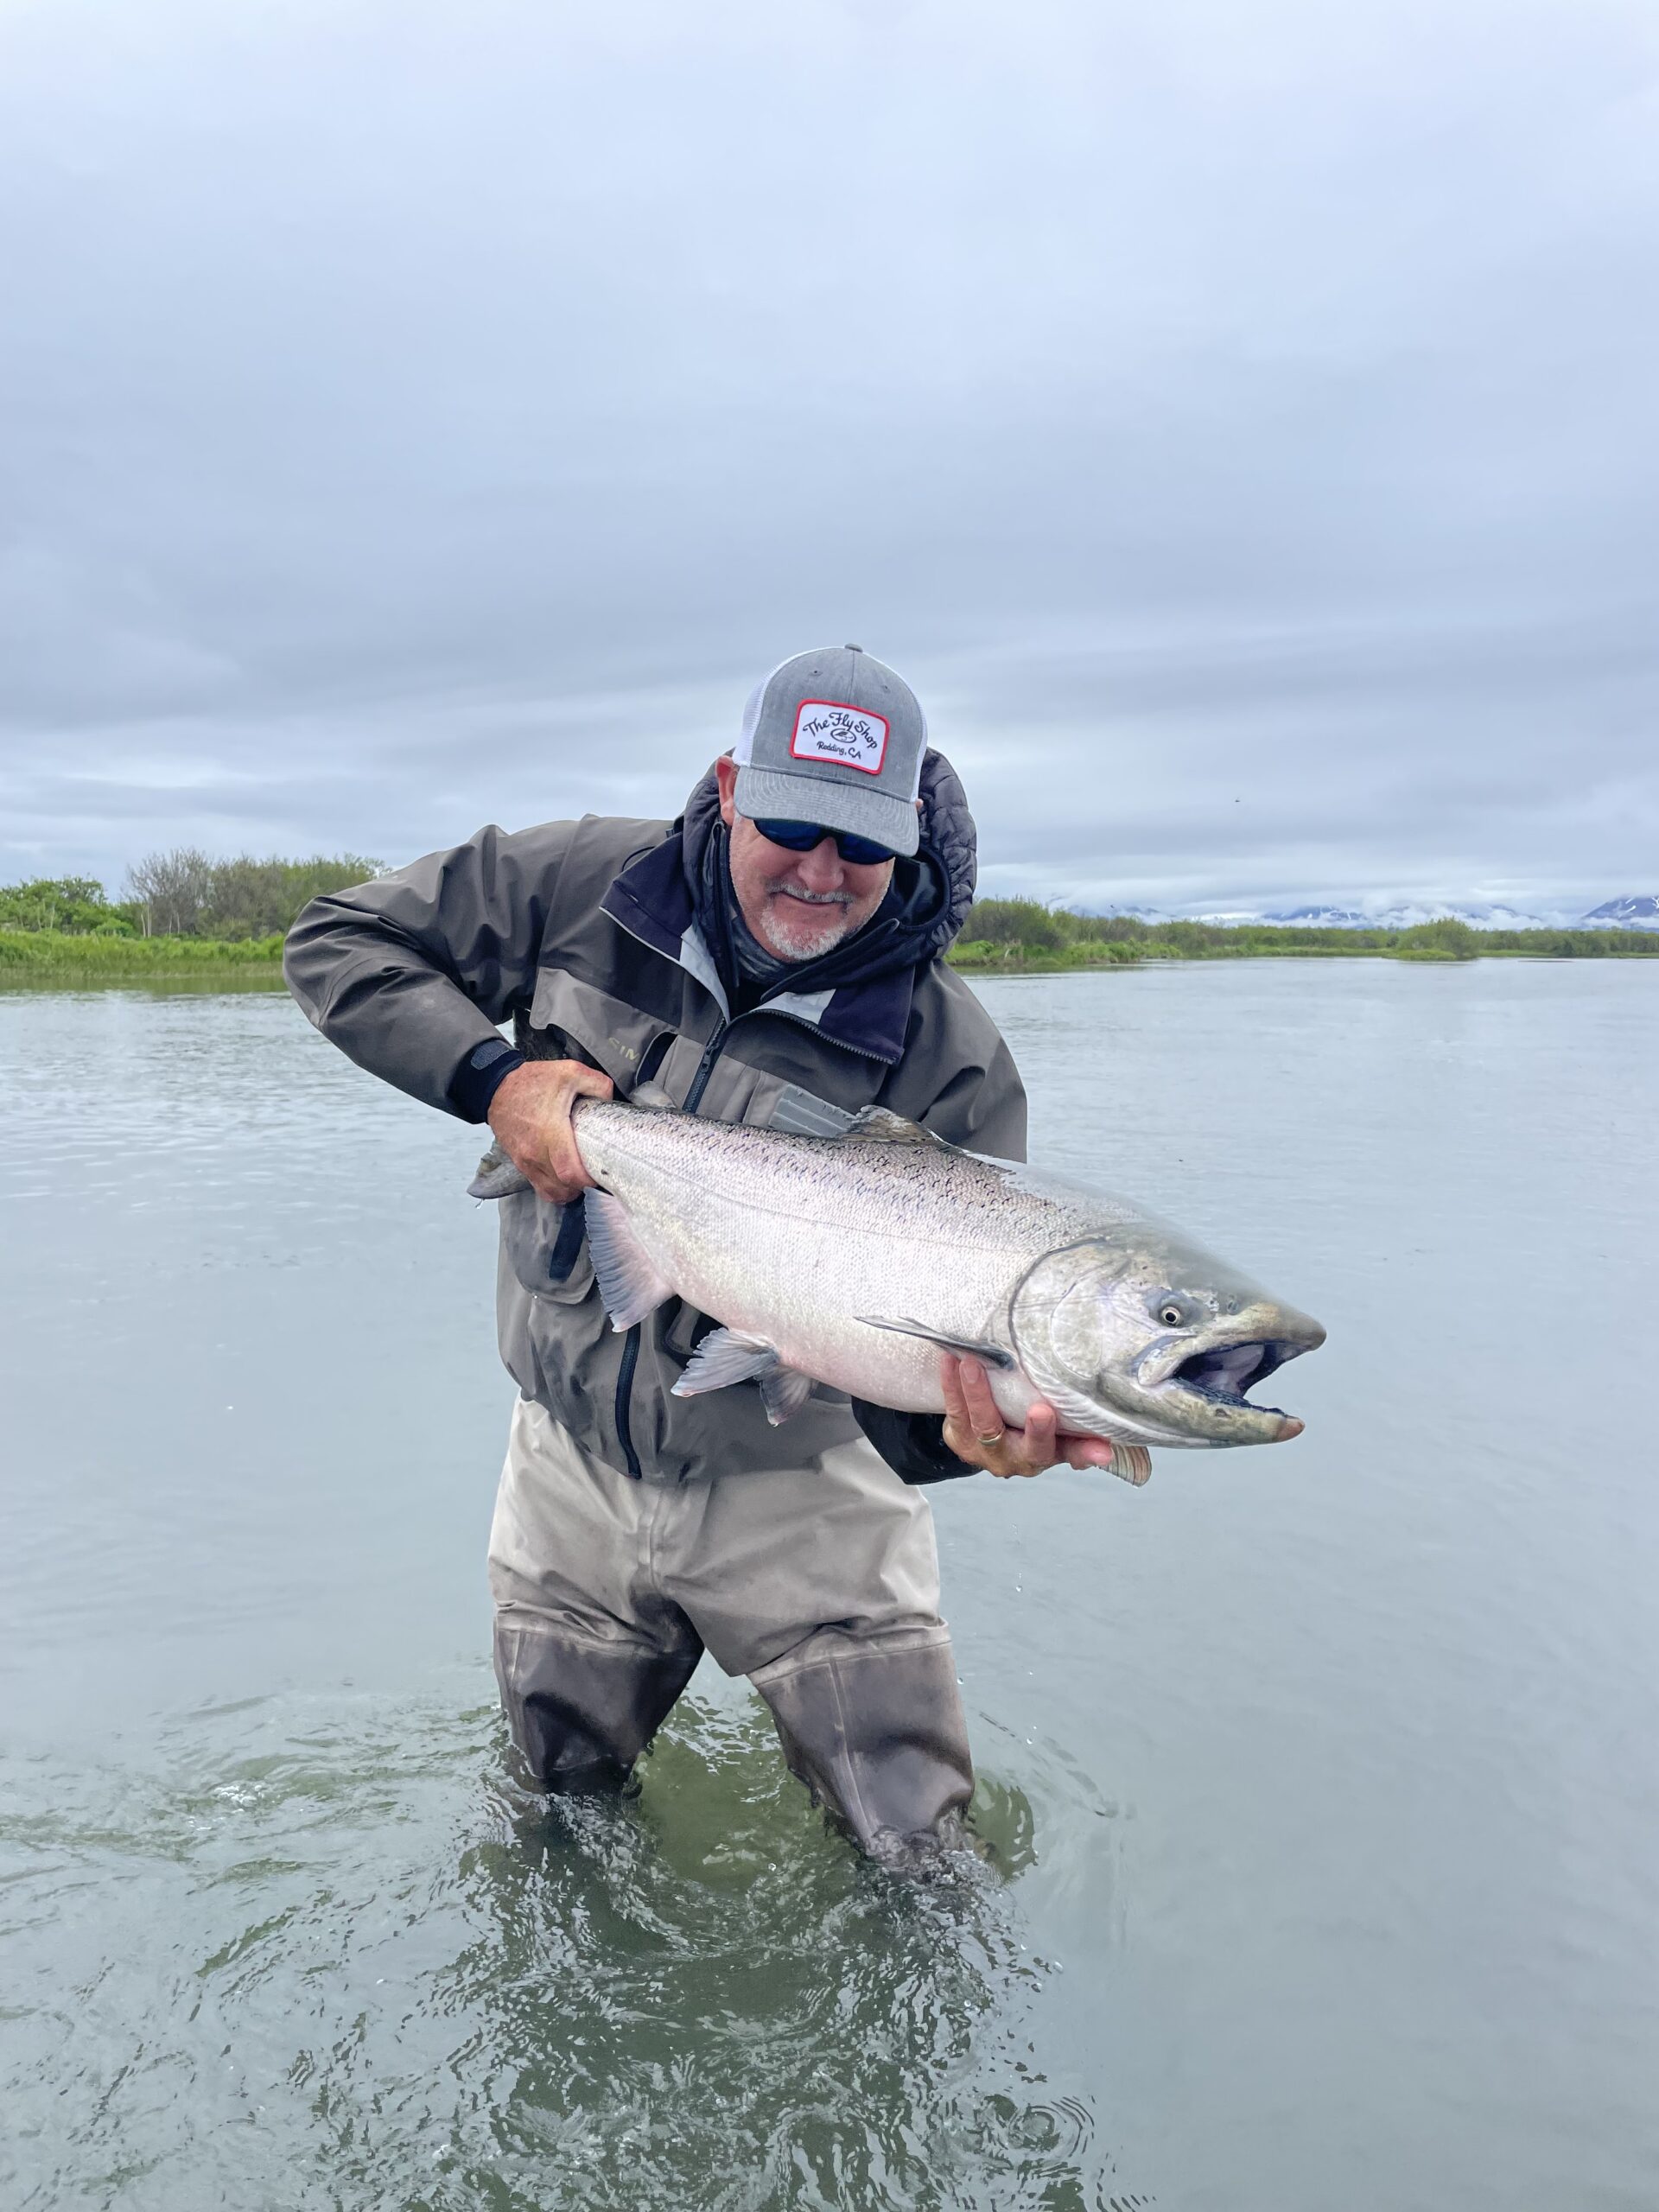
1323 917
1637 911
1404 916
1412 912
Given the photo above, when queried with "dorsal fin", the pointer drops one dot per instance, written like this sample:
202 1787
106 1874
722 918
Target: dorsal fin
880 1125
651 1098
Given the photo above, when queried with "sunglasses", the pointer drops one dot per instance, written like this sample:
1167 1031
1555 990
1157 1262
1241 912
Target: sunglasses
807 836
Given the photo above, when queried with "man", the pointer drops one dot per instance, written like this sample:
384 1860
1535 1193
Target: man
773 956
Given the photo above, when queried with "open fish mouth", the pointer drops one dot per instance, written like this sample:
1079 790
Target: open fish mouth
1225 1373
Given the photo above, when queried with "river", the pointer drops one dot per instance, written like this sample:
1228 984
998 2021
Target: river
1320 1782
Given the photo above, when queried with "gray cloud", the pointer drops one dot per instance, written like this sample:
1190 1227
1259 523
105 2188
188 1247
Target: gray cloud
1243 431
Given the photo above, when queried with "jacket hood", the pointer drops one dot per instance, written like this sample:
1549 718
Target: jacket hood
859 994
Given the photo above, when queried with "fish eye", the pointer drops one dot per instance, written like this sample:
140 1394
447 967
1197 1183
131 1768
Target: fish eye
1170 1313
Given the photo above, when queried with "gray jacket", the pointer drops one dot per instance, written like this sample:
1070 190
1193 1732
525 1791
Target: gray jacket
586 936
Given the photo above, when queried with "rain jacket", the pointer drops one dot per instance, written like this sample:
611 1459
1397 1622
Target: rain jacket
585 935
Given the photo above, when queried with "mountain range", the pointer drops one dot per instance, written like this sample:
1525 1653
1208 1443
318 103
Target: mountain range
1635 911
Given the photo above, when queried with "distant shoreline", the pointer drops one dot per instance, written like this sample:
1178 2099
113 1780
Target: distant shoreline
993 960
49 958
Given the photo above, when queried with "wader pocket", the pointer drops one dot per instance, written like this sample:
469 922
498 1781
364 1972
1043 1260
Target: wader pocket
546 1247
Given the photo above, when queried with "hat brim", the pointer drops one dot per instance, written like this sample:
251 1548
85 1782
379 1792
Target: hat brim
781 795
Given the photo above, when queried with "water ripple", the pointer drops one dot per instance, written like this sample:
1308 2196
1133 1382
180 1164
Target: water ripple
341 1956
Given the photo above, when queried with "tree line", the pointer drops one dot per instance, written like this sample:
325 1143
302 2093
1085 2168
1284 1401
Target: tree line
184 892
1008 930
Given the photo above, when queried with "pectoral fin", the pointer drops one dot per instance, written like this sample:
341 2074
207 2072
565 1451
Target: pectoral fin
628 1280
961 1347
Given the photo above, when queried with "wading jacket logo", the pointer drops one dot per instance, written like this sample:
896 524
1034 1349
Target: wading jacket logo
829 729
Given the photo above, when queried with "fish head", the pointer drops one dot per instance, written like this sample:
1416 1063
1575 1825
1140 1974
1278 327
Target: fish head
1151 1339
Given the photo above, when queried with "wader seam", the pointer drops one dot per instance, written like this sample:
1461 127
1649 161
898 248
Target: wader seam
782 1669
522 1620
652 1576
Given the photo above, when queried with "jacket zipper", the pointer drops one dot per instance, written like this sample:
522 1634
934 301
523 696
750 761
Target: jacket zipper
631 1349
705 1068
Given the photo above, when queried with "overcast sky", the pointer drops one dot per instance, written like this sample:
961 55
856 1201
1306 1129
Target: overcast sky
1240 423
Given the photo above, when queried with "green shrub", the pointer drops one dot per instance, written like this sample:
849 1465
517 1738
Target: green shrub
1446 940
1015 921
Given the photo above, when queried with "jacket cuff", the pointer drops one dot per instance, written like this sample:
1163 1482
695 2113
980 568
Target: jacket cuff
480 1075
912 1444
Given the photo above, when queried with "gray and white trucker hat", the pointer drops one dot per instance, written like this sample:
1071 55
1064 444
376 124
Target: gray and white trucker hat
834 736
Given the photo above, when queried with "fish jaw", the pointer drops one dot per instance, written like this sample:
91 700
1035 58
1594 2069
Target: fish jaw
1198 1382
1090 1333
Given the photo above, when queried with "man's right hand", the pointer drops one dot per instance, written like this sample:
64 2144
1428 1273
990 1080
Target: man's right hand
530 1116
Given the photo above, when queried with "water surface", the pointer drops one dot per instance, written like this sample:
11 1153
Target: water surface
1321 1781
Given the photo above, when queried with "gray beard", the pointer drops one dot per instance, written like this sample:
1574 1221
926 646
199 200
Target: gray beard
834 928
758 963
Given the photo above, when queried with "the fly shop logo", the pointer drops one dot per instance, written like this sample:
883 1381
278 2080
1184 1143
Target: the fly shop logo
829 729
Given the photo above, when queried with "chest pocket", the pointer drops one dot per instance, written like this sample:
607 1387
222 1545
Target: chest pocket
573 1020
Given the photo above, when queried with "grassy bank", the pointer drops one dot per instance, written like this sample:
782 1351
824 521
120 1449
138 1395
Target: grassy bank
53 956
1048 942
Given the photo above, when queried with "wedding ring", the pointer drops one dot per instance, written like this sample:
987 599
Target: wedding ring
996 1437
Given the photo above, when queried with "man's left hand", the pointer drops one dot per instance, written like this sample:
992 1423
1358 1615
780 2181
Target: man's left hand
976 1431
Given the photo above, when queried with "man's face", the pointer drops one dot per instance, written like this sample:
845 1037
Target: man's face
800 905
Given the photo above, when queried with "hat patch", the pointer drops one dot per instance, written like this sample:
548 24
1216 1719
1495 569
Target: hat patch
851 737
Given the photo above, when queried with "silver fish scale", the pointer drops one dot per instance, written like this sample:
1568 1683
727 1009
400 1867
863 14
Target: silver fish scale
797 1239
805 1243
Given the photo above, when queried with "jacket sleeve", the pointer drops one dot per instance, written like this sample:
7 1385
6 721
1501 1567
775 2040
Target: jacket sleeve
912 1444
409 975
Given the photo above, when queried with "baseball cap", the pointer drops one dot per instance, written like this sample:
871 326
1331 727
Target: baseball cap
834 736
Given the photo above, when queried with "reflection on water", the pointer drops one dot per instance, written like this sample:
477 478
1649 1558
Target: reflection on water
338 1955
220 982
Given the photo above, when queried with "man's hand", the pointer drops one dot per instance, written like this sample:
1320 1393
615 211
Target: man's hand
975 1431
530 1116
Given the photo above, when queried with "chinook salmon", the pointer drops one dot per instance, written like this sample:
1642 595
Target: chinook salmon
855 1261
